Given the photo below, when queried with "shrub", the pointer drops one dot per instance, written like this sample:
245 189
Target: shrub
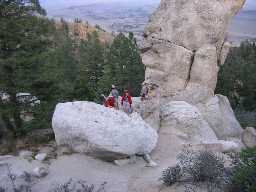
198 167
171 175
78 186
24 183
244 177
202 166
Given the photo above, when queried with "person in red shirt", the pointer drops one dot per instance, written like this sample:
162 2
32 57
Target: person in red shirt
126 102
110 102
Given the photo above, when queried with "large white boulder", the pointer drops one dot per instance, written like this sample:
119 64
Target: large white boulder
102 132
218 113
186 126
186 122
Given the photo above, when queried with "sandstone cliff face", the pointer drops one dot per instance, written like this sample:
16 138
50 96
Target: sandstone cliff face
185 45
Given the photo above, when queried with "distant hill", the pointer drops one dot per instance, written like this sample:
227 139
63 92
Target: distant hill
127 17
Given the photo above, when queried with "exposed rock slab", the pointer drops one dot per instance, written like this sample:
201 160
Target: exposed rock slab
106 133
218 113
163 65
186 121
204 69
219 146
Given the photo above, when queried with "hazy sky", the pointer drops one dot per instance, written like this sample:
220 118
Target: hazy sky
55 4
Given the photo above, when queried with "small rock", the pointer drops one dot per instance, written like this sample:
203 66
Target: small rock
249 137
40 172
41 156
63 151
50 151
26 155
122 162
150 162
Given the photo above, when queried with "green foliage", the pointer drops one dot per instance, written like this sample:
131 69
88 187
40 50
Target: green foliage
124 66
23 40
237 78
91 63
246 118
244 179
40 57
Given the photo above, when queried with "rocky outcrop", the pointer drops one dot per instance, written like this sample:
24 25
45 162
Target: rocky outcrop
149 108
249 137
186 121
102 132
218 113
185 45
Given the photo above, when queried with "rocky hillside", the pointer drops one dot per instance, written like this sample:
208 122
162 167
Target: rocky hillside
81 29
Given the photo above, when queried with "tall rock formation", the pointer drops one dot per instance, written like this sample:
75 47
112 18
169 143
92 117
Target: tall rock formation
184 46
185 43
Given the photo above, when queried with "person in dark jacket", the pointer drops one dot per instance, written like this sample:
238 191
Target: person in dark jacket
114 92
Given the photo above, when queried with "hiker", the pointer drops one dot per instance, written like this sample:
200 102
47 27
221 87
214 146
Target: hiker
126 102
144 91
109 101
114 92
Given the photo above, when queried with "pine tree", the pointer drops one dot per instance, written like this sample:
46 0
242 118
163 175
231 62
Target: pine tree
124 66
237 78
91 63
61 66
23 40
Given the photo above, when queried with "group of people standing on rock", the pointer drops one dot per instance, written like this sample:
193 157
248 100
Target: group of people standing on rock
112 101
126 101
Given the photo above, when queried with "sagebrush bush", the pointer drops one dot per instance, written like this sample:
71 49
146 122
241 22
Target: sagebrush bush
78 186
202 166
171 175
198 167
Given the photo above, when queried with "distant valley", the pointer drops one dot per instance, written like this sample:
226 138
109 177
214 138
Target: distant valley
126 17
